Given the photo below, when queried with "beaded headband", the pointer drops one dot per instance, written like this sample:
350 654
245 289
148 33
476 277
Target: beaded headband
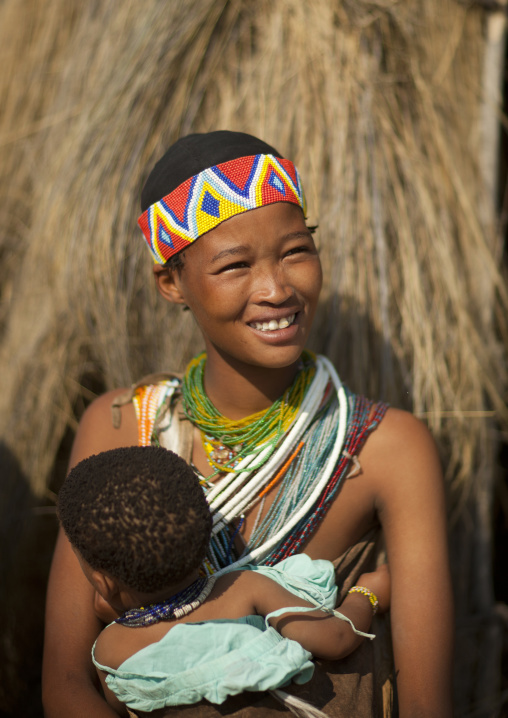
218 193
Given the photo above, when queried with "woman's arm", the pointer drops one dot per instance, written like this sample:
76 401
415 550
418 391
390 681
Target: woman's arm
70 688
119 707
401 460
69 682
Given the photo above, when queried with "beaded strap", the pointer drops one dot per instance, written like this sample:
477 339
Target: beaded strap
148 400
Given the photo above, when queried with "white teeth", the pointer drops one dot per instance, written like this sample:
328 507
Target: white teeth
273 324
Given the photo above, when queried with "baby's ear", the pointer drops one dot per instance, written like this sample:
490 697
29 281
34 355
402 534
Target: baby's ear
168 284
104 610
106 586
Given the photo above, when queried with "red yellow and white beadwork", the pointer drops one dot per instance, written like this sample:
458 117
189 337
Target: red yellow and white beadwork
214 195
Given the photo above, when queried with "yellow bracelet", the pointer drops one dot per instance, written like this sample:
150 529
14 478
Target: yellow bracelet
371 596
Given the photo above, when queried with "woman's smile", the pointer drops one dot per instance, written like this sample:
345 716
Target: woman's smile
273 323
277 330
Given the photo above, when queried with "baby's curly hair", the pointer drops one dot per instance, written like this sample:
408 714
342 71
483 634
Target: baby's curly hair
138 514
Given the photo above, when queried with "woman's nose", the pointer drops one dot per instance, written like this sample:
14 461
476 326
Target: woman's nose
271 285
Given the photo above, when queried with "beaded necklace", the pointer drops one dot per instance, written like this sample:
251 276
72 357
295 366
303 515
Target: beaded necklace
228 443
318 439
306 468
178 605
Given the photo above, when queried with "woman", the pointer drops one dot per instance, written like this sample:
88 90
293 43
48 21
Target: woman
290 460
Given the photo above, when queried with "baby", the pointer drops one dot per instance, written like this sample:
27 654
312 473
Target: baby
139 523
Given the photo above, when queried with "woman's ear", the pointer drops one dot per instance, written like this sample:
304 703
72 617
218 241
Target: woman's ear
168 283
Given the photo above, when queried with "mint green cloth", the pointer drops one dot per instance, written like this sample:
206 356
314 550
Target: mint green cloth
221 658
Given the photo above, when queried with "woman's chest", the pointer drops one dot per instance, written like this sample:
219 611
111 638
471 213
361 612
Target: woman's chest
348 517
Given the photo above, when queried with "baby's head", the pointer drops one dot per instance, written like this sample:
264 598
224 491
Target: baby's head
137 514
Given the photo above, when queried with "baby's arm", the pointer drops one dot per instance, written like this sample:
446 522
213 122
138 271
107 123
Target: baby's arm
324 635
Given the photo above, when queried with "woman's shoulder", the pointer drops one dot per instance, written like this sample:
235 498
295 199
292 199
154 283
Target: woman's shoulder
400 429
101 412
97 431
401 456
400 436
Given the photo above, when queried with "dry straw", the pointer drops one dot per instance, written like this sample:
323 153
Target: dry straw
378 104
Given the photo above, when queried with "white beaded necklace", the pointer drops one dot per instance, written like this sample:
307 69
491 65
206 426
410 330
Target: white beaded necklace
244 485
242 495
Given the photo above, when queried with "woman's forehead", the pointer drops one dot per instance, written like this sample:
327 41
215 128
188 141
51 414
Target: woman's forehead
256 227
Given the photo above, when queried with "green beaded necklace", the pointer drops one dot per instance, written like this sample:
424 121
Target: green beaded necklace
226 442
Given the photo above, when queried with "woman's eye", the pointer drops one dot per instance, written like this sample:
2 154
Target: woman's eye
297 250
233 265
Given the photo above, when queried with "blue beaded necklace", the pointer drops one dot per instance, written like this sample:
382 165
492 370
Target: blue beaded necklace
176 606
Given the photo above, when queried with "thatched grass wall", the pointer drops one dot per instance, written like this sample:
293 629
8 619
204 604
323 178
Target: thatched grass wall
379 104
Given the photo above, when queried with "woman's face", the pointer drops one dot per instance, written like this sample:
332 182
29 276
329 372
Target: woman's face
252 285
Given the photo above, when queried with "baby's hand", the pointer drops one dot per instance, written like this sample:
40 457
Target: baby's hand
378 582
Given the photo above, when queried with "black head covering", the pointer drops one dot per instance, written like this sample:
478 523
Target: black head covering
193 154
